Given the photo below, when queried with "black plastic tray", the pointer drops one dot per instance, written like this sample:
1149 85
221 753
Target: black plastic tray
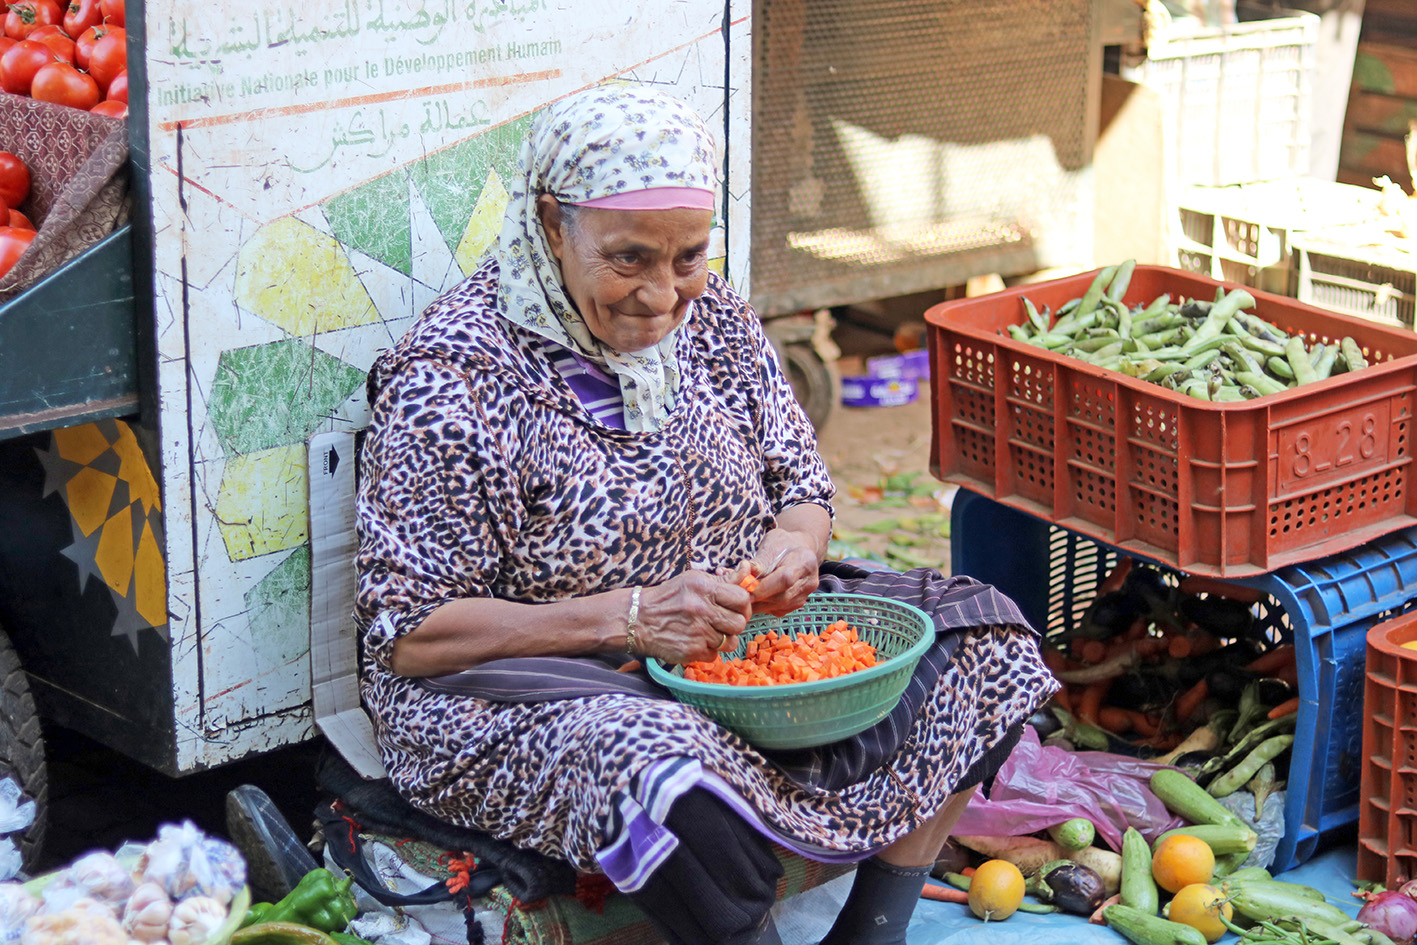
68 345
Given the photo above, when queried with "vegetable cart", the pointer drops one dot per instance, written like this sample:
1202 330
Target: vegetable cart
305 178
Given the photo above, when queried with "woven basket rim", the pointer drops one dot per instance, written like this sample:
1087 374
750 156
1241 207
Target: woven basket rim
724 692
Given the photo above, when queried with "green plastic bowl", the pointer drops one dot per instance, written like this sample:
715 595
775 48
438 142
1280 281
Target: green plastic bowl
804 715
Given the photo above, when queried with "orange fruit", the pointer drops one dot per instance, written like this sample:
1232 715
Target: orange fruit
995 890
1181 860
1201 906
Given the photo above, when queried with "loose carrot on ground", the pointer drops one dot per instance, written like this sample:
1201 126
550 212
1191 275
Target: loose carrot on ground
1286 707
773 658
944 894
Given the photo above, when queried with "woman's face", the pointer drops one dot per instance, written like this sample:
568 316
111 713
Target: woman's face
630 273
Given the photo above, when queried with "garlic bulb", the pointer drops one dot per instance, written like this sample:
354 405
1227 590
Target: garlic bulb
148 913
85 922
194 920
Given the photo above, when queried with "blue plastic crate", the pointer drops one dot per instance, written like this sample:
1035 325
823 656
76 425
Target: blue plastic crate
1325 607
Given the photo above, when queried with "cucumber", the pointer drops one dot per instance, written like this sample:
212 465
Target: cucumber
1250 872
1073 834
1138 887
1142 929
1221 838
1263 900
1187 799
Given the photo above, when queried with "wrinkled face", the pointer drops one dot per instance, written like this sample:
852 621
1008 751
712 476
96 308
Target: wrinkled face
630 273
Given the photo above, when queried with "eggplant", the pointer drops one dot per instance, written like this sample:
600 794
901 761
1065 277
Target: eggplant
1219 616
1150 585
1141 691
1228 683
1116 611
1274 691
1070 886
1045 723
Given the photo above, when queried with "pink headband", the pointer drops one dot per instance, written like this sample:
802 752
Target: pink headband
655 198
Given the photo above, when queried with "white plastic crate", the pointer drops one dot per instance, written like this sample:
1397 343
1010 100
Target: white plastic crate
1358 270
1242 232
1237 98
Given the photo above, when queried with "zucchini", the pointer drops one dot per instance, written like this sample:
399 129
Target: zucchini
1263 900
280 933
1142 929
1138 887
1250 872
1073 834
1187 799
1221 838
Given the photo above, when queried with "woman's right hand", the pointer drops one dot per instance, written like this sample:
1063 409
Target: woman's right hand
691 617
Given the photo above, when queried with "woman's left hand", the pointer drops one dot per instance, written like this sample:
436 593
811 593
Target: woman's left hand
786 563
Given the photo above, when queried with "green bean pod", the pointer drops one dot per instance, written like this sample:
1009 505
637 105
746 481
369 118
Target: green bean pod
1324 359
1352 354
1238 776
1279 368
1262 383
1298 356
1093 295
1120 280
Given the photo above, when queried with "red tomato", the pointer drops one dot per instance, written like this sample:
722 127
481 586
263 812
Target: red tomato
80 15
5 43
13 243
62 84
26 16
112 12
109 57
118 88
19 221
56 39
110 107
84 44
14 180
19 64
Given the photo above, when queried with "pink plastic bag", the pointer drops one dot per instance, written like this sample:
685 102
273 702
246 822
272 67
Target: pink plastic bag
1039 786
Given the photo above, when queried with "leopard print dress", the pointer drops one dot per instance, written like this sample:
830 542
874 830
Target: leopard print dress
482 475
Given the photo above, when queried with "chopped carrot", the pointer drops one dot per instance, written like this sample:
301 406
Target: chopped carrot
774 658
748 582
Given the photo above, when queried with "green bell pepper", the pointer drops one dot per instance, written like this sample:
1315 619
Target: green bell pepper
319 900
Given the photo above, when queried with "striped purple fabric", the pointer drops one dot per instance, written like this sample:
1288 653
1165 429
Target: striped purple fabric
597 390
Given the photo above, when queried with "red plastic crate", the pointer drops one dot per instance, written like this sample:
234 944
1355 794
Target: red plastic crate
1387 812
1228 489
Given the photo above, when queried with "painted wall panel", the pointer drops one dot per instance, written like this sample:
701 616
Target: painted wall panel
320 172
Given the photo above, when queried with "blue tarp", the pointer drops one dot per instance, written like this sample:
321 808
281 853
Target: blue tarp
805 919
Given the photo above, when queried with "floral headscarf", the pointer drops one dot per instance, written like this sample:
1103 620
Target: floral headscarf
608 140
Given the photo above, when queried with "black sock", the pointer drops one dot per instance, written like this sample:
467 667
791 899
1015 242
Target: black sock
880 904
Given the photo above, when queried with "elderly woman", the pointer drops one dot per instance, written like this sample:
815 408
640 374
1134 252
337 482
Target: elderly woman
573 455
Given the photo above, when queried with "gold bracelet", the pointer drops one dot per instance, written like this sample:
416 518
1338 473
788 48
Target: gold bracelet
632 621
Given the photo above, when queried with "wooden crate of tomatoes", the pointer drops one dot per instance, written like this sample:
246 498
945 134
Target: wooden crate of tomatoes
63 134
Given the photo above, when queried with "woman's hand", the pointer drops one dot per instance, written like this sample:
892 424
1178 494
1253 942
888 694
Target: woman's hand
787 562
692 617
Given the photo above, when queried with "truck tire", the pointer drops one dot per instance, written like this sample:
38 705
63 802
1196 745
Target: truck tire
812 380
22 749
